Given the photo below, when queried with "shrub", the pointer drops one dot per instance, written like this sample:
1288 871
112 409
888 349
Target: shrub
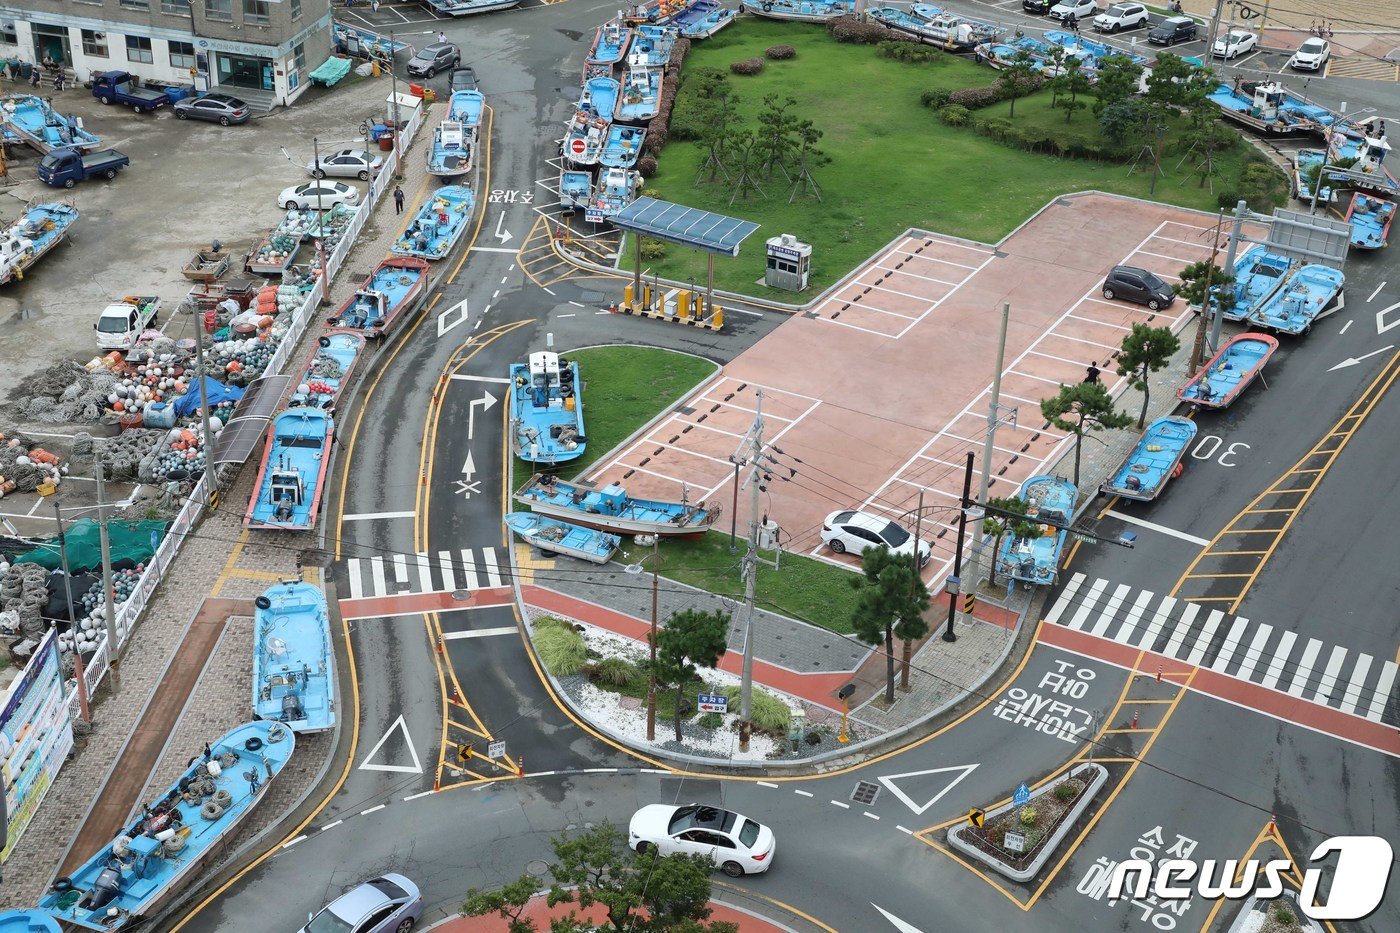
1029 84
710 721
659 127
1033 837
769 713
935 99
1065 791
1284 917
647 166
975 98
552 622
613 672
850 29
652 250
747 66
1028 816
780 53
911 53
954 115
560 649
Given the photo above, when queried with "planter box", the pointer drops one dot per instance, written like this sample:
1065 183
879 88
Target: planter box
1093 775
1254 911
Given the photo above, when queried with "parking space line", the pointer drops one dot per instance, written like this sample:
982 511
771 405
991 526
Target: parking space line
1017 372
1148 252
1092 343
1061 359
1080 317
628 466
866 306
893 291
927 278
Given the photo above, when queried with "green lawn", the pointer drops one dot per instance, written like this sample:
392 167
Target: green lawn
894 165
624 388
803 588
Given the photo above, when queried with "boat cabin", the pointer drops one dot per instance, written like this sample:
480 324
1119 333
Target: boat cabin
610 500
551 380
286 491
1268 97
369 309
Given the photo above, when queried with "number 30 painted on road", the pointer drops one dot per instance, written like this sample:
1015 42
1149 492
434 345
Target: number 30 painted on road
1209 445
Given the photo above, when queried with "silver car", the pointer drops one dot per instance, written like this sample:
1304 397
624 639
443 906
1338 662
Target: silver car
322 195
387 904
347 163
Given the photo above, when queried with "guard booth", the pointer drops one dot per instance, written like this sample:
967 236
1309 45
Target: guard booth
789 262
685 226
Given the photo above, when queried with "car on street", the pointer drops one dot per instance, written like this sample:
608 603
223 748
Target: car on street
737 844
223 109
462 79
1037 6
347 163
1311 55
1172 30
318 194
1121 16
1235 43
387 904
430 59
1081 9
856 532
1139 286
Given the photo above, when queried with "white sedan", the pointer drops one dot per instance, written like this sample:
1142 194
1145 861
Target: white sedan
735 843
318 194
1082 9
347 163
1235 43
857 532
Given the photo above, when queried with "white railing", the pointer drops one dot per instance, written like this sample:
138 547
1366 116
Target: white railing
129 612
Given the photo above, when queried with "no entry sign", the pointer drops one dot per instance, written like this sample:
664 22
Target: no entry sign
576 146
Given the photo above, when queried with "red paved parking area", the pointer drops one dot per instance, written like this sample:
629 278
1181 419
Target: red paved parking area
880 390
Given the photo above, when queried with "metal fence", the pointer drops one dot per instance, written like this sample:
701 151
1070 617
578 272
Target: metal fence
129 612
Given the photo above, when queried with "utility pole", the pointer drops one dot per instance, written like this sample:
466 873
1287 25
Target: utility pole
1196 350
394 82
918 573
1241 211
651 670
320 222
1215 27
993 422
109 596
755 445
204 405
955 581
84 713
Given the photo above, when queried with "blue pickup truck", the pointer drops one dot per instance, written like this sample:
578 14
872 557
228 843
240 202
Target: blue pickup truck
121 87
67 167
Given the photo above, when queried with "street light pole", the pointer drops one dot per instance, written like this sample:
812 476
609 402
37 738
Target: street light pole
394 82
1218 318
988 445
108 590
651 670
750 579
955 589
84 714
918 543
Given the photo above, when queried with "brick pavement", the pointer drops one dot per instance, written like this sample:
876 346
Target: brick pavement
214 560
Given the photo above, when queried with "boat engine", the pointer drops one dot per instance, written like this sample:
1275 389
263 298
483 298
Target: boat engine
291 708
105 889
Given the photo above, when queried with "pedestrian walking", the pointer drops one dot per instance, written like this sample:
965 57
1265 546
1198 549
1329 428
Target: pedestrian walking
1092 375
398 200
374 6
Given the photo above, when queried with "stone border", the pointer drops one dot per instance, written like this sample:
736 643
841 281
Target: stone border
1024 875
1305 923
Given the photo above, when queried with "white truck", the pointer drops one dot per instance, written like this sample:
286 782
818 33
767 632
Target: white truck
120 324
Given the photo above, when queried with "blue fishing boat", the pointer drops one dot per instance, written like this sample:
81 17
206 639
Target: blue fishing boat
1295 306
1002 53
176 835
328 371
611 509
552 537
1258 274
454 139
392 290
1229 372
575 189
31 120
1362 147
1307 167
609 44
1036 561
703 18
468 7
622 147
651 46
367 43
652 12
39 229
546 409
600 96
641 95
932 26
287 493
584 138
438 225
28 921
617 188
1269 107
1153 461
1370 220
293 658
801 11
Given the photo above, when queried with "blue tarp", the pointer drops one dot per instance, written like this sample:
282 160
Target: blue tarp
188 403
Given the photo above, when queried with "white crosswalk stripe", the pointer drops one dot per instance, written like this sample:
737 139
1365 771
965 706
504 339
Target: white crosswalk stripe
1267 655
440 572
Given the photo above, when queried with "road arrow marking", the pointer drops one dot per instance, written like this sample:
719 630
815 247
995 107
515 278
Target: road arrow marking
501 234
469 468
903 926
1353 360
1376 292
1338 305
486 401
457 314
889 781
401 726
1382 325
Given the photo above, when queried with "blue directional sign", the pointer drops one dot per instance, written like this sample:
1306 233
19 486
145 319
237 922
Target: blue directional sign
1023 794
713 703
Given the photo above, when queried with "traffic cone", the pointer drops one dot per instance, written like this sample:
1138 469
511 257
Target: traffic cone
439 644
1159 673
520 766
1135 717
452 696
612 308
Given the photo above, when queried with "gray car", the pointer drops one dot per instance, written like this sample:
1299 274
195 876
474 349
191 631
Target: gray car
387 904
347 163
431 59
223 109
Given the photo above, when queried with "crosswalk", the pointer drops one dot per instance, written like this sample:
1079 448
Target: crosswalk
1263 654
438 572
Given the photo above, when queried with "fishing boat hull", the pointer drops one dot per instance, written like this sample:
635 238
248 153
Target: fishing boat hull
1152 463
326 374
1229 372
611 509
799 12
1259 274
438 225
28 921
609 44
30 119
470 7
575 190
450 154
1295 306
546 410
1305 161
38 230
703 19
389 295
552 537
293 658
1036 561
139 872
1270 109
623 146
641 97
1370 219
287 492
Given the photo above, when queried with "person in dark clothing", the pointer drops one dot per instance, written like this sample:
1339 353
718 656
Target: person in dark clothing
1092 375
398 200
1072 23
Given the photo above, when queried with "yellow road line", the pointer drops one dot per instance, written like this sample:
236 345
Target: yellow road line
772 900
230 563
486 186
1269 834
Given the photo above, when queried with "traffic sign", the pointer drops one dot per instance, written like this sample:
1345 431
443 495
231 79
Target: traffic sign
712 703
497 750
1023 794
1015 842
464 752
576 146
975 817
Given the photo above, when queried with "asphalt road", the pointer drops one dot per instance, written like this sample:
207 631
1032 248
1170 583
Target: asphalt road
1213 773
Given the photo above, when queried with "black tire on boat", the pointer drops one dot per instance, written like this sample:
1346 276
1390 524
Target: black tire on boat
767 7
63 884
253 744
262 602
324 341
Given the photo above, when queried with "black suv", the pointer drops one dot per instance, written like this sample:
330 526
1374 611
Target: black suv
1172 30
431 59
462 79
1138 285
1038 6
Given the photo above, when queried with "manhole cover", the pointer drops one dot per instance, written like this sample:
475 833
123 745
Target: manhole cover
865 793
460 595
537 867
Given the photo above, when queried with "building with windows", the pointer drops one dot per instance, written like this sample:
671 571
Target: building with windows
260 50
